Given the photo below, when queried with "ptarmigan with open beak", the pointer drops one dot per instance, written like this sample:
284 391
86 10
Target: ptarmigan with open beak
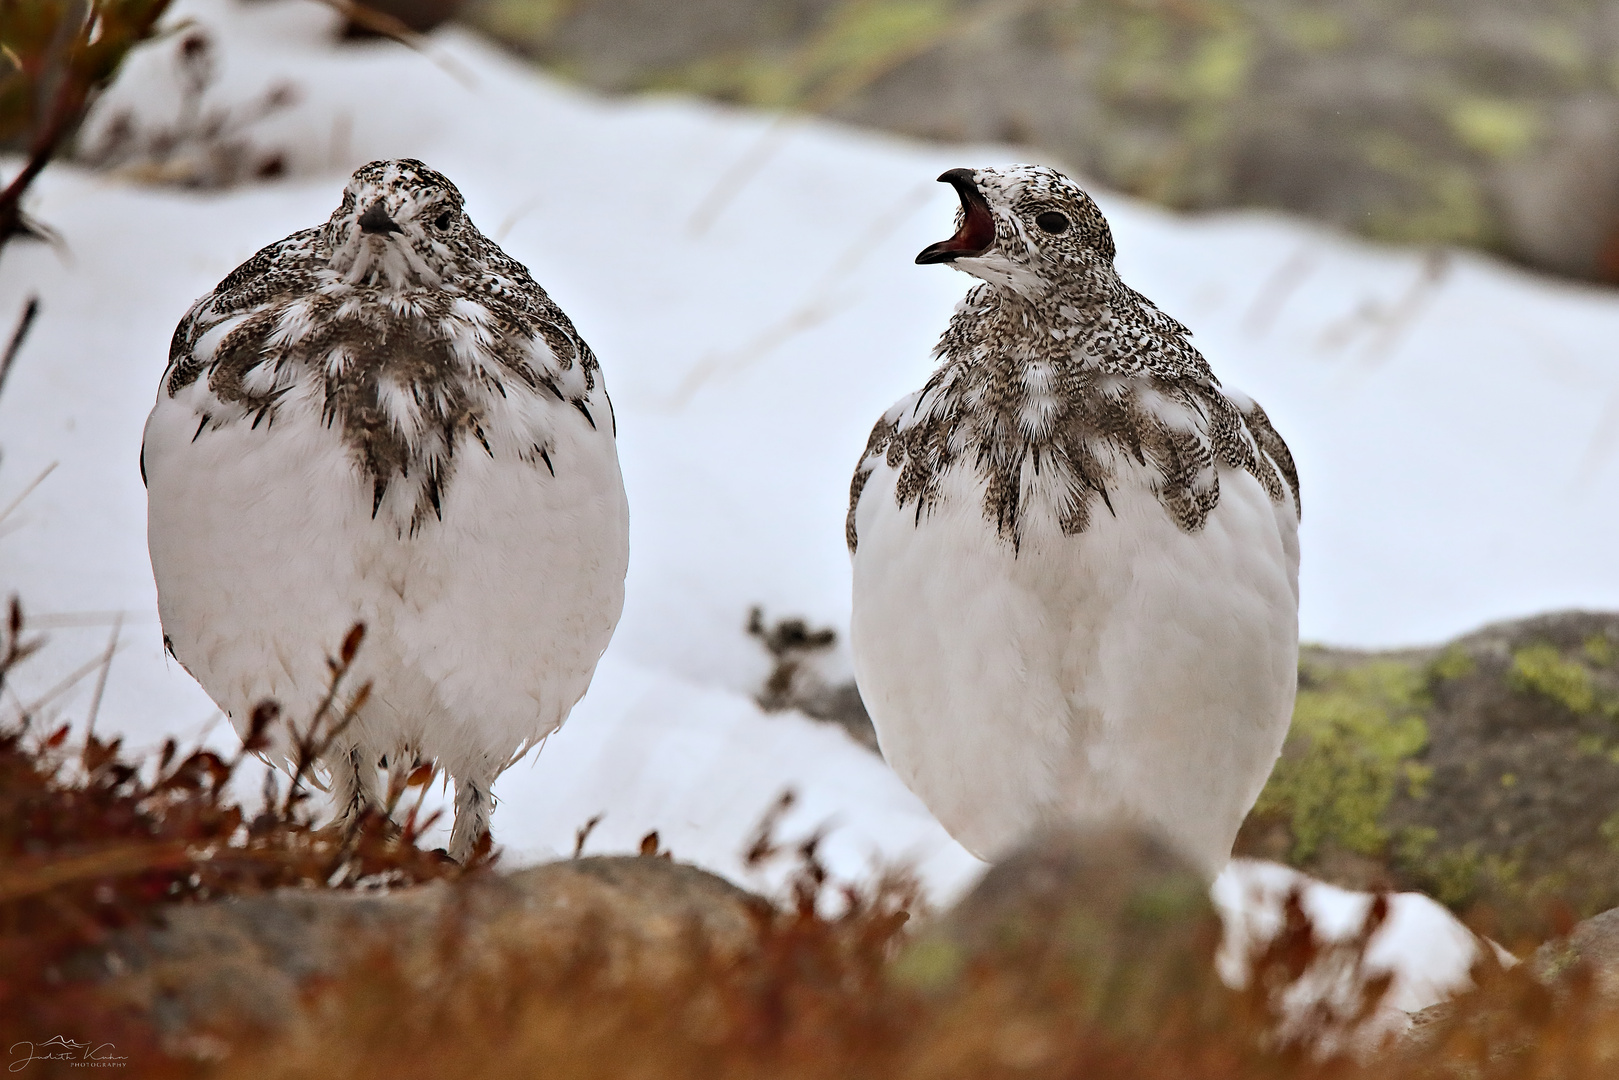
1075 553
384 419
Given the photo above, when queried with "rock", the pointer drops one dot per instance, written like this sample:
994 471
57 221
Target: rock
1595 942
1553 979
1114 907
1560 206
249 962
1483 772
1474 122
1119 878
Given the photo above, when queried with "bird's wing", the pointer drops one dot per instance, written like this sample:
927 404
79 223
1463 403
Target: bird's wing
274 271
876 450
1273 452
1268 442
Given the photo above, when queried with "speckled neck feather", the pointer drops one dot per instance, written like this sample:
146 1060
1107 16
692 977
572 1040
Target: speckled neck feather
1053 373
408 337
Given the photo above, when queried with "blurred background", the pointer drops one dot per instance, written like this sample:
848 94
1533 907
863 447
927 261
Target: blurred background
1492 124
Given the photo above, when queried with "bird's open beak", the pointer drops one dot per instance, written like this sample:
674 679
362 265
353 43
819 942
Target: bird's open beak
977 230
376 220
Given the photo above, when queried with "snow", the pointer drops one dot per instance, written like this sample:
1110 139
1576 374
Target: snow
1421 945
748 284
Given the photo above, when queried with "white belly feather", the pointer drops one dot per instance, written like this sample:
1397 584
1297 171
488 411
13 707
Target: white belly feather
483 628
1134 669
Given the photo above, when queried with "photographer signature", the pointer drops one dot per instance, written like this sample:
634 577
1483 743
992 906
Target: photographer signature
61 1048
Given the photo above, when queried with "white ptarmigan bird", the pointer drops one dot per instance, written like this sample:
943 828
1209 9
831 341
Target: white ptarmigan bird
1075 555
385 420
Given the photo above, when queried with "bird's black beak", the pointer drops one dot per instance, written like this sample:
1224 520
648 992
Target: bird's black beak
977 230
376 220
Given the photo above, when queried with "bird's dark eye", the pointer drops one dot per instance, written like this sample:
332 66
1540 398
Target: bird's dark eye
1052 222
443 221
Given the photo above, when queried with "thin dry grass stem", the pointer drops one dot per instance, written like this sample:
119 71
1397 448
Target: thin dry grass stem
384 25
25 322
651 847
312 745
419 776
1278 288
28 489
582 834
821 302
14 648
762 847
93 846
101 676
68 682
92 843
1384 322
811 997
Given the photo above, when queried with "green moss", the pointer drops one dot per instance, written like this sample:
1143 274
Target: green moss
1353 737
528 21
1140 64
1414 842
1445 202
1495 127
1219 69
1560 955
865 31
1563 50
1454 663
1453 876
1504 874
1417 776
746 79
1458 877
855 43
1541 670
1599 650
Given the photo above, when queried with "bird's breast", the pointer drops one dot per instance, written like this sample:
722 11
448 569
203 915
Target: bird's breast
1076 675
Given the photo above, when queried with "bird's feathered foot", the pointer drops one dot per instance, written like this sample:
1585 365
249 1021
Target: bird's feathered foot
473 806
354 788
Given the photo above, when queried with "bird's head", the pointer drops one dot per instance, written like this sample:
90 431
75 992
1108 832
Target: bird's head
401 226
1026 228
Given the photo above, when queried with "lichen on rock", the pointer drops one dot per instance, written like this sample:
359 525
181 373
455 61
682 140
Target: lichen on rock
1484 772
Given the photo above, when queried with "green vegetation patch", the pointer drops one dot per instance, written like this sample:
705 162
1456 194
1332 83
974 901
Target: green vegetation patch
855 43
1495 126
1544 671
1355 734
